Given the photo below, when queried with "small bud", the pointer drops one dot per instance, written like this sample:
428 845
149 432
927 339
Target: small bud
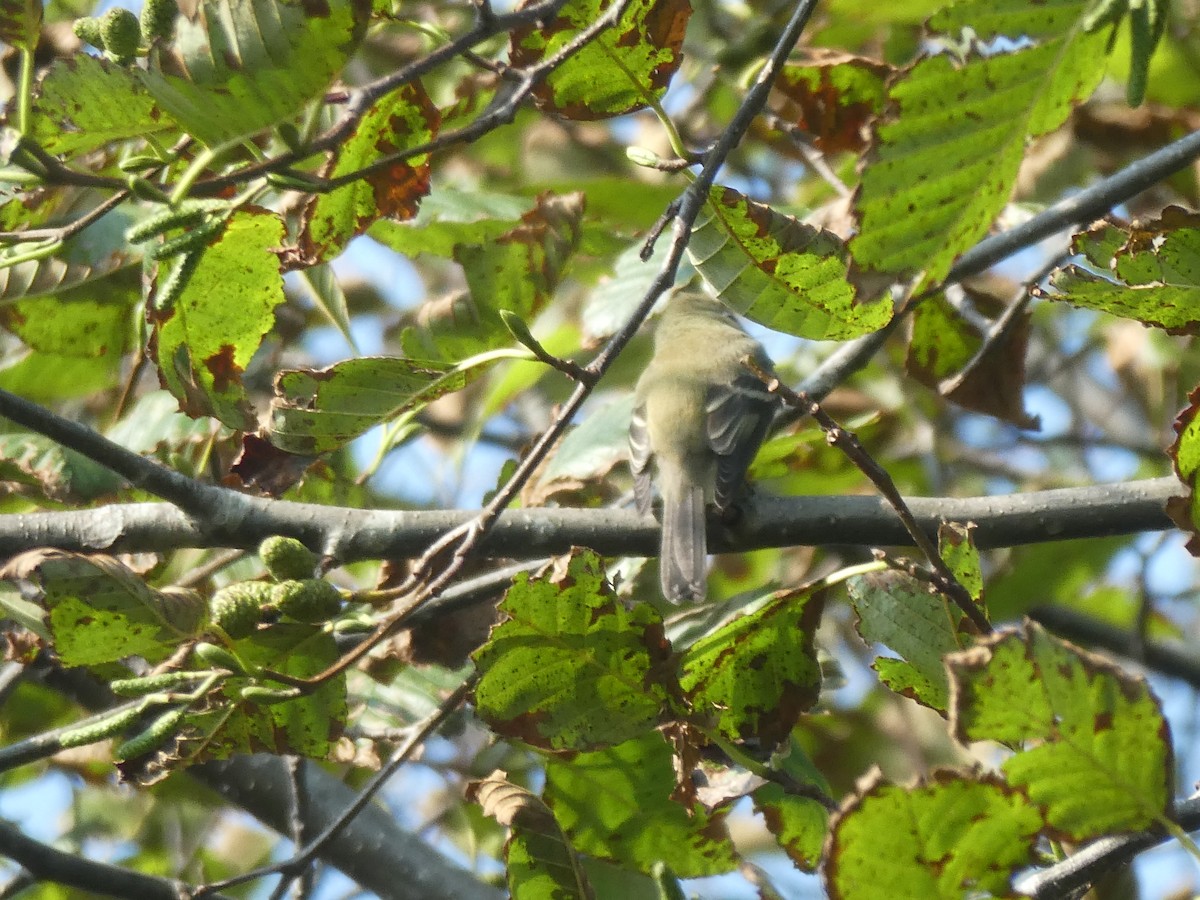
642 157
218 657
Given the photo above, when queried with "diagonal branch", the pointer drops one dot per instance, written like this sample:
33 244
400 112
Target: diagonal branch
57 866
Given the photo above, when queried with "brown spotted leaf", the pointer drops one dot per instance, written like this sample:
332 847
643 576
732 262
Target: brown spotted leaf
948 837
100 611
755 674
398 121
831 96
572 668
1148 272
778 271
1098 755
620 70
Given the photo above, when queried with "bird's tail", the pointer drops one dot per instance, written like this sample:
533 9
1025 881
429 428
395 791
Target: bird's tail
684 543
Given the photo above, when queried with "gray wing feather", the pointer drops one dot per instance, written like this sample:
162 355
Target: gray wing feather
639 459
739 415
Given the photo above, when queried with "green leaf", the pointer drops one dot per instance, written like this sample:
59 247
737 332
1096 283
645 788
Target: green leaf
619 71
100 611
944 162
91 320
518 272
572 668
753 676
52 471
943 341
1185 454
448 217
1149 272
798 823
949 837
316 411
539 861
778 271
250 65
85 102
308 725
615 804
96 251
206 338
46 377
402 119
899 612
1147 22
612 302
593 447
957 548
21 23
1100 759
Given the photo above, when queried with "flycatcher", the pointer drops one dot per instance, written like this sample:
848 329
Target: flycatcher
700 415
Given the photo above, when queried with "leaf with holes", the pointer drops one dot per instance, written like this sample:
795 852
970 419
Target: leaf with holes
1148 272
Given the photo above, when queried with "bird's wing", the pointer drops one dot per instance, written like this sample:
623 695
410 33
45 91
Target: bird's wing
739 414
639 458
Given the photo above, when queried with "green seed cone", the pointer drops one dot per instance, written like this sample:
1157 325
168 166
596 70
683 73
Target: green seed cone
286 558
238 608
310 600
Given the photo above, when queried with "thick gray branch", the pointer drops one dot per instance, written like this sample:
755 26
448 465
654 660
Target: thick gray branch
1003 521
1081 869
372 850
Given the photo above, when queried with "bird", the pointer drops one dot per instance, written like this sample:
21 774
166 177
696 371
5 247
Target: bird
700 415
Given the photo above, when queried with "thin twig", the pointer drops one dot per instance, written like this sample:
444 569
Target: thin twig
51 864
306 854
849 444
69 230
